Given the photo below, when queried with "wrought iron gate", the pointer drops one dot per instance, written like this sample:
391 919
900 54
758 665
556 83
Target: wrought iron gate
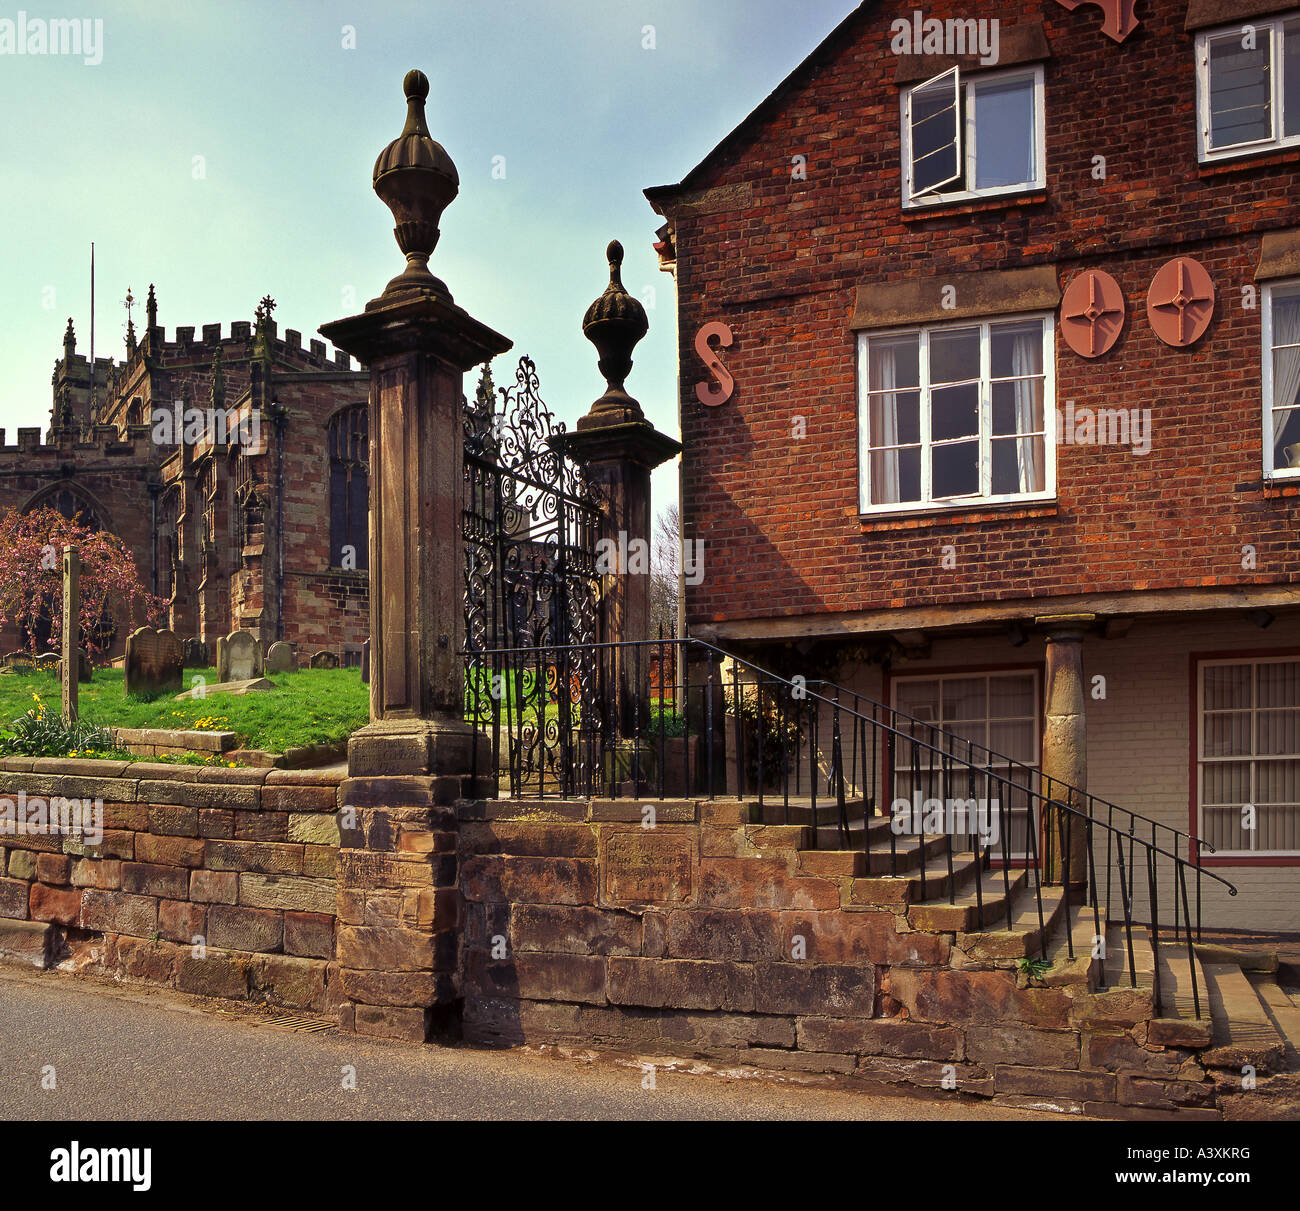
533 609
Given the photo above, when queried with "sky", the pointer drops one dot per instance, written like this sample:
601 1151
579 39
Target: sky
223 151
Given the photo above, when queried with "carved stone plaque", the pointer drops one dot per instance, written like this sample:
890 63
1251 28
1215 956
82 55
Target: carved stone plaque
648 866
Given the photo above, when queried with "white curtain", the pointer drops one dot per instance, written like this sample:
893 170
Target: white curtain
1026 359
885 486
1286 362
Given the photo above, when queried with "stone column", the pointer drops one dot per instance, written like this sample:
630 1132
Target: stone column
398 903
418 345
620 448
1065 748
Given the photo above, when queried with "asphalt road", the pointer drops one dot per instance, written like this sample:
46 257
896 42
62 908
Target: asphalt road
128 1054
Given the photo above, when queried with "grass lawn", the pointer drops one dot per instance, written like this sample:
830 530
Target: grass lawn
311 706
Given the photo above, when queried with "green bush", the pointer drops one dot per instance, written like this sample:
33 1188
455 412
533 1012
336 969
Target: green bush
780 737
41 733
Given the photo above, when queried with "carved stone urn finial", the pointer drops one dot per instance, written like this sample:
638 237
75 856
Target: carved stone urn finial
415 178
615 323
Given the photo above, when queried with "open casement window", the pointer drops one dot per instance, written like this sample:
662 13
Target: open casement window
957 414
1248 756
969 138
1248 80
1281 377
982 714
934 130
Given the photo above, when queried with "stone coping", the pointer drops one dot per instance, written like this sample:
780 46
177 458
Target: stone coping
193 740
627 810
127 771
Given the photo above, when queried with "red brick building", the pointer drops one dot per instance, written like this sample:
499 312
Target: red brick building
1016 352
234 467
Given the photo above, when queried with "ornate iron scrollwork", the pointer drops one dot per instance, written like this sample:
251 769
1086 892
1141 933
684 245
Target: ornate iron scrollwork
532 591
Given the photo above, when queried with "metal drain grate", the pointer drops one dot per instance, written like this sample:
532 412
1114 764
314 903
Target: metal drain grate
303 1025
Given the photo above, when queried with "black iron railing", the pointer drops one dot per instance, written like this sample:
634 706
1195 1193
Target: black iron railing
681 718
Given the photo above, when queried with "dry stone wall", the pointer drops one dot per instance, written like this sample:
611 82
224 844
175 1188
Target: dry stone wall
219 882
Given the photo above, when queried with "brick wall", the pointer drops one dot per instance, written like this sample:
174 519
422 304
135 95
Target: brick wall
780 260
242 859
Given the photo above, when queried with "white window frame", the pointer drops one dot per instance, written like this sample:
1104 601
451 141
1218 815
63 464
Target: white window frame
980 783
1266 377
1234 661
967 151
977 501
1277 139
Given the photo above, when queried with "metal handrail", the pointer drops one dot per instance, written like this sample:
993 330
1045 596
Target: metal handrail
604 724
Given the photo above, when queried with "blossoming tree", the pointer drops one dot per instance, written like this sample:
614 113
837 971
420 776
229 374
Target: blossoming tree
31 578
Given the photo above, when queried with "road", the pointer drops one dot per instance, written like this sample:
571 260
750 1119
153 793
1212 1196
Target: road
132 1054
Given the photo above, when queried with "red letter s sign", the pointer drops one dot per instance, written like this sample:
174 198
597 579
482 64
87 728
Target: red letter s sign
713 394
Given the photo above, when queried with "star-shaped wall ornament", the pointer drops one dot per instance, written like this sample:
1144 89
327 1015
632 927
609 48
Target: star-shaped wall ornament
1120 19
1180 303
1092 313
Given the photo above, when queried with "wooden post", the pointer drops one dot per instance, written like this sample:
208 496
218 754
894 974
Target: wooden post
71 632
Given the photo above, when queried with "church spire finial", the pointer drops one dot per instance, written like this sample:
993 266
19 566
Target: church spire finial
218 385
263 329
128 303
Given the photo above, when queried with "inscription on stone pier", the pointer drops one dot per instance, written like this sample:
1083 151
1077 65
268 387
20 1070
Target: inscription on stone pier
648 866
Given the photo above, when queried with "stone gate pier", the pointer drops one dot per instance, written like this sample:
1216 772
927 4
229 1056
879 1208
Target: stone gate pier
397 897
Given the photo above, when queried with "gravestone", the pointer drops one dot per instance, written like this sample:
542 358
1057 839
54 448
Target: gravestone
22 660
195 654
154 661
279 658
365 663
239 657
325 660
48 660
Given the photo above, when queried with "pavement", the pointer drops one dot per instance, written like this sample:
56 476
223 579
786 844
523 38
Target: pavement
130 1053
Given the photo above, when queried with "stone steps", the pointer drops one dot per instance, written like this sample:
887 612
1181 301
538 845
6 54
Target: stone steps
967 912
1023 939
1245 1019
903 890
1283 1011
880 859
1078 935
1244 1033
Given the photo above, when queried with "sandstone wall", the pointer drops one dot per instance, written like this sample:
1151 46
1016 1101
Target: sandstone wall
244 861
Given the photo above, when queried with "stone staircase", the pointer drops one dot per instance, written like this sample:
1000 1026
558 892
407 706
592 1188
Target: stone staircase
1228 1048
